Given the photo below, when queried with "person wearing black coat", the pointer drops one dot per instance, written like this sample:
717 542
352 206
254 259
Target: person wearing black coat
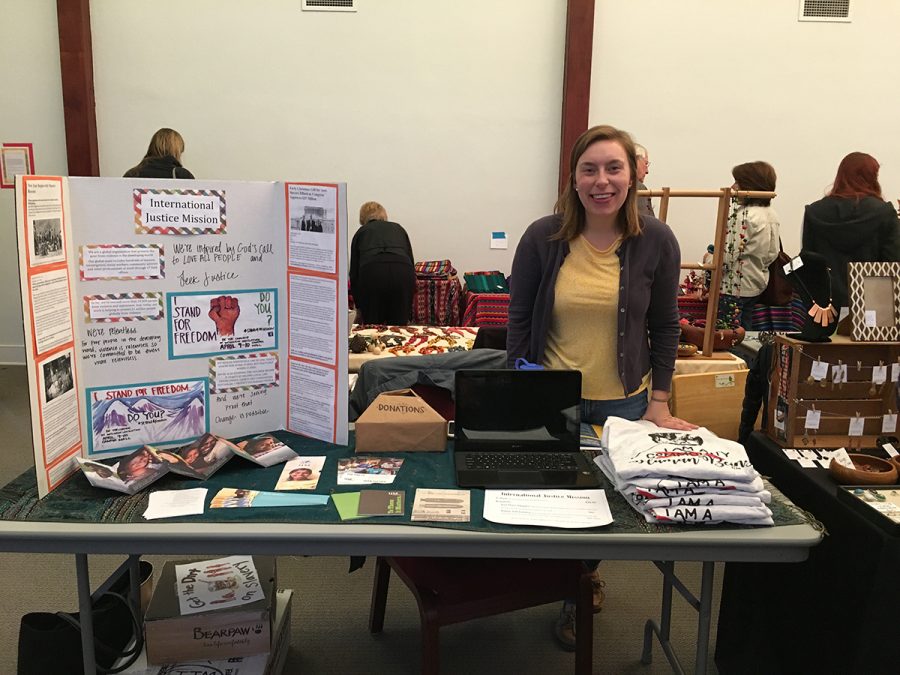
382 268
163 158
852 223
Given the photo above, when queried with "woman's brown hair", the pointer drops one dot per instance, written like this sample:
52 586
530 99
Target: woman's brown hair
570 206
755 176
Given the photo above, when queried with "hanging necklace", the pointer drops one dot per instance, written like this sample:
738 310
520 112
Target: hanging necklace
820 315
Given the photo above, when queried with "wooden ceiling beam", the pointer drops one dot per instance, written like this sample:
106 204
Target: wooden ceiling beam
576 98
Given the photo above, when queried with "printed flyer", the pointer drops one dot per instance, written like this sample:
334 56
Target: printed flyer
161 311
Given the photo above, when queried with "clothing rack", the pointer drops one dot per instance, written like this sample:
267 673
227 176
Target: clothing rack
724 195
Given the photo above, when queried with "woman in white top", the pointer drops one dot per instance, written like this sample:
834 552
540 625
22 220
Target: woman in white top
752 241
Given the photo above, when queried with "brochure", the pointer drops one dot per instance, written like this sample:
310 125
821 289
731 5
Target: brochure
442 506
381 503
265 450
368 470
301 473
237 498
130 474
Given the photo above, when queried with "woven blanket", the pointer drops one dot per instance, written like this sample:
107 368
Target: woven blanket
436 302
435 269
486 309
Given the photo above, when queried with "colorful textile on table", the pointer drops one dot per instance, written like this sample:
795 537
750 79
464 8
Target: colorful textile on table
486 309
435 269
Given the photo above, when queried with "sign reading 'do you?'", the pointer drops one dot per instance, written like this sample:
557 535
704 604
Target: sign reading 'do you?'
179 211
875 301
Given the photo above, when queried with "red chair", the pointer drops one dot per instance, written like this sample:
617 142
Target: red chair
453 590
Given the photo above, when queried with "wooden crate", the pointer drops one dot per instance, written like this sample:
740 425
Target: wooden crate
792 394
712 400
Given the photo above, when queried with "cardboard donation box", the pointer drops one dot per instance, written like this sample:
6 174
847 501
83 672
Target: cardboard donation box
214 634
271 663
400 421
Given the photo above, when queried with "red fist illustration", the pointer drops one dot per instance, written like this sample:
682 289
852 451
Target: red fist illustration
224 311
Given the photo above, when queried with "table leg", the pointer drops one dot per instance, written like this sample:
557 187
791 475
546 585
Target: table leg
705 615
85 616
662 630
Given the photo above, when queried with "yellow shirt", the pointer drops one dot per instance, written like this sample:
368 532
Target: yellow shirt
584 322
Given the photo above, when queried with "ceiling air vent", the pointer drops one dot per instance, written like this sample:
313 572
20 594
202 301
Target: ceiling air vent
825 10
329 5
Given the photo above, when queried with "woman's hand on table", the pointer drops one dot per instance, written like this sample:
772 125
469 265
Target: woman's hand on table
658 413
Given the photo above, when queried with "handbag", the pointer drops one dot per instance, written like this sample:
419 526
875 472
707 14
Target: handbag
779 290
50 642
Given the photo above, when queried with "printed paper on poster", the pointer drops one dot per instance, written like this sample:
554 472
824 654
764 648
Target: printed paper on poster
313 307
209 324
58 405
51 310
123 307
128 416
121 261
43 203
313 215
246 371
311 399
179 212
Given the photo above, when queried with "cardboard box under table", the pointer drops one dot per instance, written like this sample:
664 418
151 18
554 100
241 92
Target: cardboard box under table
271 663
217 634
400 421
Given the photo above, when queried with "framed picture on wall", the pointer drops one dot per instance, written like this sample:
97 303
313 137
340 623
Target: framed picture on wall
875 301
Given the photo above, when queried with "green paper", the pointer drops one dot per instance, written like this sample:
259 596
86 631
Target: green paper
347 504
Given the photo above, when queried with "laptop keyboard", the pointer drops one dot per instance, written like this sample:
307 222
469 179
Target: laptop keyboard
520 461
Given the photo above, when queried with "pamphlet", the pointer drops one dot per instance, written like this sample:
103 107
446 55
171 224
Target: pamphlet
265 450
381 503
217 584
301 473
367 470
199 459
441 506
173 503
130 474
237 498
347 505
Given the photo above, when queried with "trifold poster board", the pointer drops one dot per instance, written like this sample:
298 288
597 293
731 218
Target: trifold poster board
159 310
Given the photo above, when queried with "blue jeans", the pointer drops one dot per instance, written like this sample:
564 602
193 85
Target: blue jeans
631 408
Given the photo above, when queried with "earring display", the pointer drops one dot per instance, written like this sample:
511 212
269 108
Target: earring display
841 393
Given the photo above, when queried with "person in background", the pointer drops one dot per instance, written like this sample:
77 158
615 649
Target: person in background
752 240
852 223
163 158
594 288
645 204
382 268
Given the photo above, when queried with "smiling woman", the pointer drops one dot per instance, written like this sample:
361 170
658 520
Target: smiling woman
594 288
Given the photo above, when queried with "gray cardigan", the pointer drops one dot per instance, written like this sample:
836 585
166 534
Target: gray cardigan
648 328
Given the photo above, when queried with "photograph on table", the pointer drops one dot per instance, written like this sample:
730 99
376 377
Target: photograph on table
301 473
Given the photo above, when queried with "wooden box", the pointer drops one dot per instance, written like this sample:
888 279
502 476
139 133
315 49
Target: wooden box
792 392
712 400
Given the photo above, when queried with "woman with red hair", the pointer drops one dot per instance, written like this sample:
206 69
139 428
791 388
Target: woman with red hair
852 223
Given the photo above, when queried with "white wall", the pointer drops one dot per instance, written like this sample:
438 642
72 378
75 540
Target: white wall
446 113
31 112
707 85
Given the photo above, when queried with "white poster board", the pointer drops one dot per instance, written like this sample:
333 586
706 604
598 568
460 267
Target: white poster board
159 310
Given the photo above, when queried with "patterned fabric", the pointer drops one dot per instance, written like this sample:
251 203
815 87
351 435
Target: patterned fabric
417 340
435 269
691 308
486 282
780 319
436 302
486 309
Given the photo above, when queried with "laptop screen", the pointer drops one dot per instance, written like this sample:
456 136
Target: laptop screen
517 410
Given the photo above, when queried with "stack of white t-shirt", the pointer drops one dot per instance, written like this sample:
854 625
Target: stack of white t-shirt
682 476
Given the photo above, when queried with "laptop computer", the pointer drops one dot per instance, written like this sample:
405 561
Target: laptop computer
519 429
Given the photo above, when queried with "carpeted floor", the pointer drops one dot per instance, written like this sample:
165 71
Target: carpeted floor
330 608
